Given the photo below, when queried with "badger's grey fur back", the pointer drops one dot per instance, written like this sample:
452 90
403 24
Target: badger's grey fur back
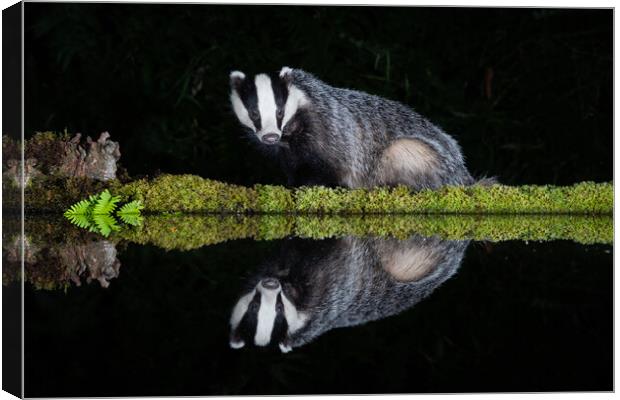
345 282
342 137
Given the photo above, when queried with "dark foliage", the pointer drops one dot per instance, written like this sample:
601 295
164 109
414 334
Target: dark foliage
527 92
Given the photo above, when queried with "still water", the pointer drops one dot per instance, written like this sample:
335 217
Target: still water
359 314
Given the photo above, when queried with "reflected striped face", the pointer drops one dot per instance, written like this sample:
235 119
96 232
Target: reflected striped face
266 103
265 316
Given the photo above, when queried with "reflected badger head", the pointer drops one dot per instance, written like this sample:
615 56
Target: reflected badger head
310 287
266 316
267 104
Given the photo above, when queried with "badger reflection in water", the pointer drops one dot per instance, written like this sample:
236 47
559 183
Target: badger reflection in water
311 287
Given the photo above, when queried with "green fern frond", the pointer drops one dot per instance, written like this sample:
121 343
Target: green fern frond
133 219
106 203
79 208
133 207
105 224
81 220
96 213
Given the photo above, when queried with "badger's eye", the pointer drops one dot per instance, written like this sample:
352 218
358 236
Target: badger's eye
254 306
254 114
280 113
291 291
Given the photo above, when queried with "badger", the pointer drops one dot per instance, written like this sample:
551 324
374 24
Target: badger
323 135
310 287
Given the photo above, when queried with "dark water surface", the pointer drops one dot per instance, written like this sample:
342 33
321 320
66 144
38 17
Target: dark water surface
509 316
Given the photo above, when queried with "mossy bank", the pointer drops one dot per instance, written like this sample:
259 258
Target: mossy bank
189 193
193 194
186 232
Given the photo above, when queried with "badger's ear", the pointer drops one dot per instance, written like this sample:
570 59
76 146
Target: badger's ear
285 346
236 79
286 74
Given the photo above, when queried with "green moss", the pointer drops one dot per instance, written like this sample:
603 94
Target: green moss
187 193
319 199
581 229
274 226
190 232
273 199
47 148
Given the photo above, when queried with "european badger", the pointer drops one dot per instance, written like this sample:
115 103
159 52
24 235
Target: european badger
311 287
329 136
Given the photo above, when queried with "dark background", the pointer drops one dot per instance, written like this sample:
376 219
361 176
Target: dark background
527 92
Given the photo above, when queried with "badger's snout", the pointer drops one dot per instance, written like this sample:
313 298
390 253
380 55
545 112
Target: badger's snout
270 283
270 138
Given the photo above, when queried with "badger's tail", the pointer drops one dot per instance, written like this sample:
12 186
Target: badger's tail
486 181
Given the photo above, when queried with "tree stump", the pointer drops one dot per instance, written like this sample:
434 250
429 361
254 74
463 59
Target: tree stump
48 154
96 161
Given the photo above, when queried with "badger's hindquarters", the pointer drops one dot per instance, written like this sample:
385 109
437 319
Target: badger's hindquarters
413 163
408 162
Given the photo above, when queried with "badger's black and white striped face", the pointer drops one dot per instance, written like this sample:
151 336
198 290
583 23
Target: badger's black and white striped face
265 316
266 103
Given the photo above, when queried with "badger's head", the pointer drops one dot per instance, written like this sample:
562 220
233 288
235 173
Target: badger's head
267 103
266 316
